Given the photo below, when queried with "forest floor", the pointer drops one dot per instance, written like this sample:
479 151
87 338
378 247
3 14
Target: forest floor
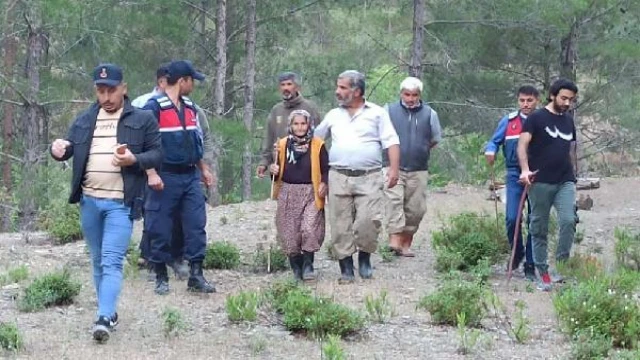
65 332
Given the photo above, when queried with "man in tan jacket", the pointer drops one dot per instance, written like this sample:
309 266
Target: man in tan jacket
277 123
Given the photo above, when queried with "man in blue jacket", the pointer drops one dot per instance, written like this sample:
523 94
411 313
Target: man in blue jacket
175 186
506 135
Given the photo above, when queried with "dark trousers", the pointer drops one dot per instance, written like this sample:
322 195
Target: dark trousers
514 193
180 201
177 242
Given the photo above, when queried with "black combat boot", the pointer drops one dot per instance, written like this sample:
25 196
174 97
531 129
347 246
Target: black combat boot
296 262
307 266
197 282
364 265
162 279
346 269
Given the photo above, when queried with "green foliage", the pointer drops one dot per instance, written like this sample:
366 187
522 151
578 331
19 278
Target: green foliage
588 345
272 260
627 249
466 240
221 255
467 338
386 253
520 329
10 337
317 316
243 306
581 267
14 275
173 322
601 306
380 309
53 289
332 350
455 296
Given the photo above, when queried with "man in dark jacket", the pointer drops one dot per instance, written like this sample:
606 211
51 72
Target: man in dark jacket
277 125
112 144
418 129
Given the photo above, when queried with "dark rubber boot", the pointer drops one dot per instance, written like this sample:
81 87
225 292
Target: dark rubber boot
296 266
197 282
162 279
346 269
364 265
307 266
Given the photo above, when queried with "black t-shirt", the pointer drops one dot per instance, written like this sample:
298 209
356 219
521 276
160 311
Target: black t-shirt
549 149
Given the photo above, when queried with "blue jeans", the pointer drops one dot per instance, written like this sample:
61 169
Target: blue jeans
514 193
107 229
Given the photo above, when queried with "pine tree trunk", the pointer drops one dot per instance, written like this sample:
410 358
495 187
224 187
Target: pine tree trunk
417 53
249 89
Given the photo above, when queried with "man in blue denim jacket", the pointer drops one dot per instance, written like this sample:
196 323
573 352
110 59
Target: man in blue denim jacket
506 135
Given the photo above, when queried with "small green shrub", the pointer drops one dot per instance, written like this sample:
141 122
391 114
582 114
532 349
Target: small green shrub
49 290
581 267
221 255
588 346
10 337
173 323
386 253
454 296
243 306
467 338
319 316
62 221
14 275
601 306
380 309
270 261
279 291
627 249
466 240
332 350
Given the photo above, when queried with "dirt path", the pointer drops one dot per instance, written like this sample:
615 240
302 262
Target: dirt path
64 333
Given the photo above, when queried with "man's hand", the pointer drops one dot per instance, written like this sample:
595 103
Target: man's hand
490 158
526 176
207 177
260 171
392 177
274 169
154 181
122 156
59 147
322 190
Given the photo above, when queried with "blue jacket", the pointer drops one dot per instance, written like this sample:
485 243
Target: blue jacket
506 135
182 145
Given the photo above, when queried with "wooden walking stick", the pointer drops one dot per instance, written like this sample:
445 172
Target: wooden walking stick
275 161
495 197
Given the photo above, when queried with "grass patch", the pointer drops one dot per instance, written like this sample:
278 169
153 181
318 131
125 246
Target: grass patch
14 275
332 349
380 310
627 249
49 290
221 255
271 260
173 322
317 317
10 337
467 240
243 306
455 296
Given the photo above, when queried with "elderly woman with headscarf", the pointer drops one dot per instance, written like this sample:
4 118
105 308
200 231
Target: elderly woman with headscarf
301 186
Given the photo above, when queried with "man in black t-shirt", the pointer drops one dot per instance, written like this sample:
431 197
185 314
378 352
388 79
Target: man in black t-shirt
546 152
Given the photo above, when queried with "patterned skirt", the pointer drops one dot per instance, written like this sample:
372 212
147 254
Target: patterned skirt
301 226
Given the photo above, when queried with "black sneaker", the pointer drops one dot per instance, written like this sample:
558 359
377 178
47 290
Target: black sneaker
114 320
102 329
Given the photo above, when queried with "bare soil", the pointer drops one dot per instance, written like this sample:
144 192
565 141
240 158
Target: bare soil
64 332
